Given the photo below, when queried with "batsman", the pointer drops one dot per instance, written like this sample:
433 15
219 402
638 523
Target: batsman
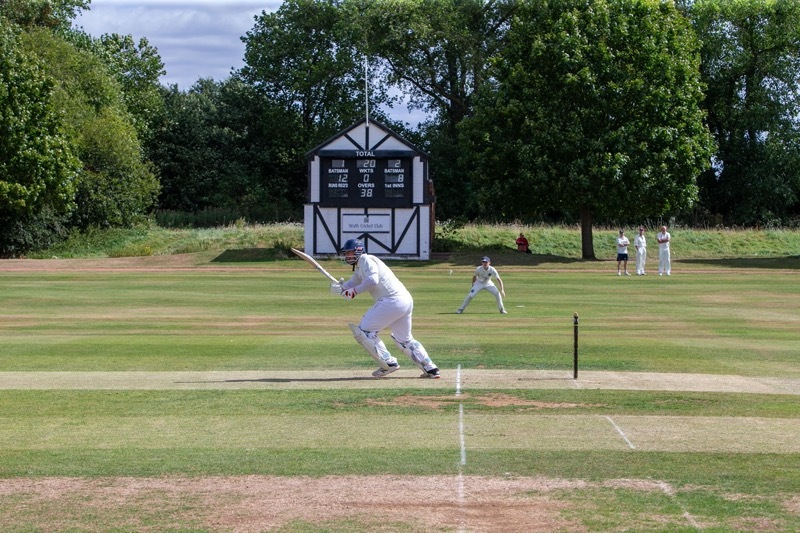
392 309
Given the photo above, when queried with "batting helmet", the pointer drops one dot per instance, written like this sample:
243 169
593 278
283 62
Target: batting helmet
356 246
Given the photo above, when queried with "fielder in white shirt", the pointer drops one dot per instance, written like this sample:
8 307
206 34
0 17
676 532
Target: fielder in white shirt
640 242
664 261
622 252
482 281
392 309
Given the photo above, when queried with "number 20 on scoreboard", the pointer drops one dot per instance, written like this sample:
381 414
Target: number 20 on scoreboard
365 182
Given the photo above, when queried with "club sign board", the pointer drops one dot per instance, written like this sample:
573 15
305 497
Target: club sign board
369 183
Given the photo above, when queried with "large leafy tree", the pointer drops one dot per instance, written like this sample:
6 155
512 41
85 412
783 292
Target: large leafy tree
38 169
299 57
117 187
137 67
751 65
309 57
224 145
595 113
438 53
183 147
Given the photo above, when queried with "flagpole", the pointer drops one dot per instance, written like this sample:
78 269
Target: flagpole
366 89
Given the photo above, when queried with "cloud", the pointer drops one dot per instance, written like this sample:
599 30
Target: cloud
195 39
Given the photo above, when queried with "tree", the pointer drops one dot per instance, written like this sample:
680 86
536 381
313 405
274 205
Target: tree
438 53
54 14
751 66
298 58
596 112
137 67
116 186
225 145
38 169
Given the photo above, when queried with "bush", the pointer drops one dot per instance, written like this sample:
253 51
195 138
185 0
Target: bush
36 231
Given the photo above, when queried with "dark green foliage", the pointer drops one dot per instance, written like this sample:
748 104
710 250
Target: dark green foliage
117 187
55 14
302 59
137 67
439 54
31 231
37 166
223 146
595 112
751 53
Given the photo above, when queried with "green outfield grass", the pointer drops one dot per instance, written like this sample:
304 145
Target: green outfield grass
731 460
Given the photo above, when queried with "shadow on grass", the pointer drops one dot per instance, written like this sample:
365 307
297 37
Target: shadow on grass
499 258
299 380
251 255
782 263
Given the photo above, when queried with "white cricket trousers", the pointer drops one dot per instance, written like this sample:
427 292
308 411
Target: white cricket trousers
393 312
641 258
664 262
478 287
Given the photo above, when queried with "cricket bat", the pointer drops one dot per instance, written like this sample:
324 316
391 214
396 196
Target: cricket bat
313 262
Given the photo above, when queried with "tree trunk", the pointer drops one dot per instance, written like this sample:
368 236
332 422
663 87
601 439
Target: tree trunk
587 242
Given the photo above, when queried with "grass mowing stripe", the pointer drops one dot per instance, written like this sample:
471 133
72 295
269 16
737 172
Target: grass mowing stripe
747 473
363 431
276 319
43 404
154 462
755 474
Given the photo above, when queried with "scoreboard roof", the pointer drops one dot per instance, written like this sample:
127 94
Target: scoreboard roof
366 136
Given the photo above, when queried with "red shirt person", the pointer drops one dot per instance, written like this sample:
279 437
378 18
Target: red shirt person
522 244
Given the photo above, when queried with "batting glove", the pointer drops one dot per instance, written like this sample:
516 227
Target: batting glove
349 294
336 289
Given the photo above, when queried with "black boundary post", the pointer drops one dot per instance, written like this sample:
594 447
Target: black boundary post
575 358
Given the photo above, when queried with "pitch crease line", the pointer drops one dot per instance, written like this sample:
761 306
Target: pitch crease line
461 440
669 491
621 434
460 487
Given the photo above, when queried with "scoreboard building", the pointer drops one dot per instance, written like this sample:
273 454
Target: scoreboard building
369 183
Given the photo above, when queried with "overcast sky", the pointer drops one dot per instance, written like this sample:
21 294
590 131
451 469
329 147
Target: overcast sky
195 38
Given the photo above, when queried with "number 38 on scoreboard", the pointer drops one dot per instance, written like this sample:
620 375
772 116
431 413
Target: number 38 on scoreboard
365 182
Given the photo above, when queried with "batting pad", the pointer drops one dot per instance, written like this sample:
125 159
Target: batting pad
371 347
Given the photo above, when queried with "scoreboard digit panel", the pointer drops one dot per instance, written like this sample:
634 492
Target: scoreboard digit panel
366 182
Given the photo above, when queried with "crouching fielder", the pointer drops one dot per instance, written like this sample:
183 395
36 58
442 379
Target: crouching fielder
392 309
482 281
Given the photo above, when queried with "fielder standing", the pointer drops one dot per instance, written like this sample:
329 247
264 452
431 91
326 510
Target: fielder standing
664 260
392 309
640 242
622 252
482 281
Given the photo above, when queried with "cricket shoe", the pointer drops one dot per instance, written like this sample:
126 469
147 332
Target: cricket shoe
381 372
431 374
503 312
459 311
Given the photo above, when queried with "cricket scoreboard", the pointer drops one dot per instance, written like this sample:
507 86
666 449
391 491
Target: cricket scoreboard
371 184
366 181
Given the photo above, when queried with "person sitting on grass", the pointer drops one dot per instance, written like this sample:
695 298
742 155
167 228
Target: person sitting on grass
522 244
